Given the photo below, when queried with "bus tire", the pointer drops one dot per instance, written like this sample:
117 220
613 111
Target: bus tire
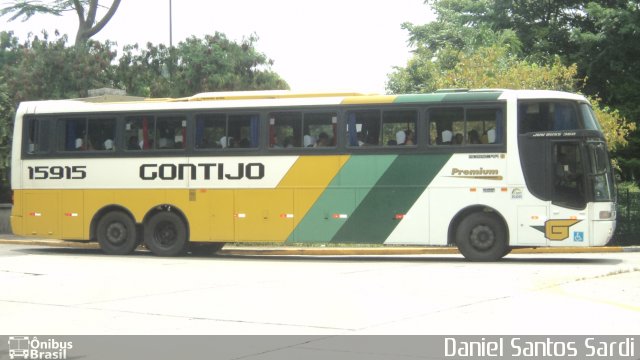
165 234
116 233
482 237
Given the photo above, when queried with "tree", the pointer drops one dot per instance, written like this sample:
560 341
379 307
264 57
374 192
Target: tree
497 67
87 11
212 63
599 36
6 131
43 68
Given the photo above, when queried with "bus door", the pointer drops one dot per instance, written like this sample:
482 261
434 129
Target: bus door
567 223
554 170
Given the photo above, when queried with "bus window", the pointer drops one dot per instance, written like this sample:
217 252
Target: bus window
363 128
222 131
297 129
285 130
568 175
547 116
243 131
589 118
101 134
319 129
210 129
140 132
37 136
484 126
399 127
446 126
170 133
72 135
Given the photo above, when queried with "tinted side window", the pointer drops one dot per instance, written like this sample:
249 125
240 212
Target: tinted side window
459 126
399 127
155 133
86 134
302 129
223 131
446 126
140 132
37 135
381 128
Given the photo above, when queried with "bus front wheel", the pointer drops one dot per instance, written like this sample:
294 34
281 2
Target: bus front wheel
482 237
165 234
116 233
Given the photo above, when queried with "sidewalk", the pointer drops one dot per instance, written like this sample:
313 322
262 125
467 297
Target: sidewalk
234 249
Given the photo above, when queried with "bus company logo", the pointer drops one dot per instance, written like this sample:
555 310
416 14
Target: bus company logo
25 347
481 173
516 194
557 229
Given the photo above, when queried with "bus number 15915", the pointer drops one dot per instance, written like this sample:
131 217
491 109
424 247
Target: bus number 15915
57 172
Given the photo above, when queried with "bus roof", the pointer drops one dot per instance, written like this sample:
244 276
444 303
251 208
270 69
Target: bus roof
279 98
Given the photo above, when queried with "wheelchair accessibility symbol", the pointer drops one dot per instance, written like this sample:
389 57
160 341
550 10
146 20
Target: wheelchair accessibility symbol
578 236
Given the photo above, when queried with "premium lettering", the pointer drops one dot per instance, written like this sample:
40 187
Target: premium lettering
478 172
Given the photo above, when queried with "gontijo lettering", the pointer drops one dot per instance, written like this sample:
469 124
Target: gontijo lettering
202 171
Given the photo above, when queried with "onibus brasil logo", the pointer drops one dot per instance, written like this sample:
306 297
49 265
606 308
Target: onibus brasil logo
25 347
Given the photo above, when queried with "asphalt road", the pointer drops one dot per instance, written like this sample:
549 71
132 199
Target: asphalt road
54 290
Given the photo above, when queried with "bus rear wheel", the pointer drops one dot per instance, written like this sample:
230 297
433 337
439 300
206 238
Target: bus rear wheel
482 237
165 234
116 233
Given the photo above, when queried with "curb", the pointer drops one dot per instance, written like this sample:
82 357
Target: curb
331 251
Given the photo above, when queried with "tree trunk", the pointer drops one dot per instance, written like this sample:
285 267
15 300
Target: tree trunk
86 27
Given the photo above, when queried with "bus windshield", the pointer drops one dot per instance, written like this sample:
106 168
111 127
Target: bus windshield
537 116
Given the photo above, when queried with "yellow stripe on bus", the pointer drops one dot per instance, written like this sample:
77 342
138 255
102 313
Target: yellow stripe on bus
378 99
272 214
310 176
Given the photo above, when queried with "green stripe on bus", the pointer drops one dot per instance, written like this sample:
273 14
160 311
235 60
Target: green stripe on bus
419 98
347 189
396 191
472 96
449 97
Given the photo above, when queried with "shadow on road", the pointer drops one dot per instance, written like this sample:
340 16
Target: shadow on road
454 258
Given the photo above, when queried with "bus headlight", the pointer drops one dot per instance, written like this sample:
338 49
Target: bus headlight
610 214
605 215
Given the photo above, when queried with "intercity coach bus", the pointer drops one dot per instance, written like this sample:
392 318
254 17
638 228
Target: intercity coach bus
483 170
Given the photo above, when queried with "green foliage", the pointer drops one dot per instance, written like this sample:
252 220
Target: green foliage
6 130
629 186
48 69
212 63
26 9
496 67
578 46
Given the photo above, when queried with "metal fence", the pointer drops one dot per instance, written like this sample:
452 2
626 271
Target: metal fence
628 224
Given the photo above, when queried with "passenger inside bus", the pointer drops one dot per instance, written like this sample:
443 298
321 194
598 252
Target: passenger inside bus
133 143
447 136
323 140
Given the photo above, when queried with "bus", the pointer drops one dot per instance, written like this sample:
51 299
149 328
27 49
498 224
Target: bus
483 170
